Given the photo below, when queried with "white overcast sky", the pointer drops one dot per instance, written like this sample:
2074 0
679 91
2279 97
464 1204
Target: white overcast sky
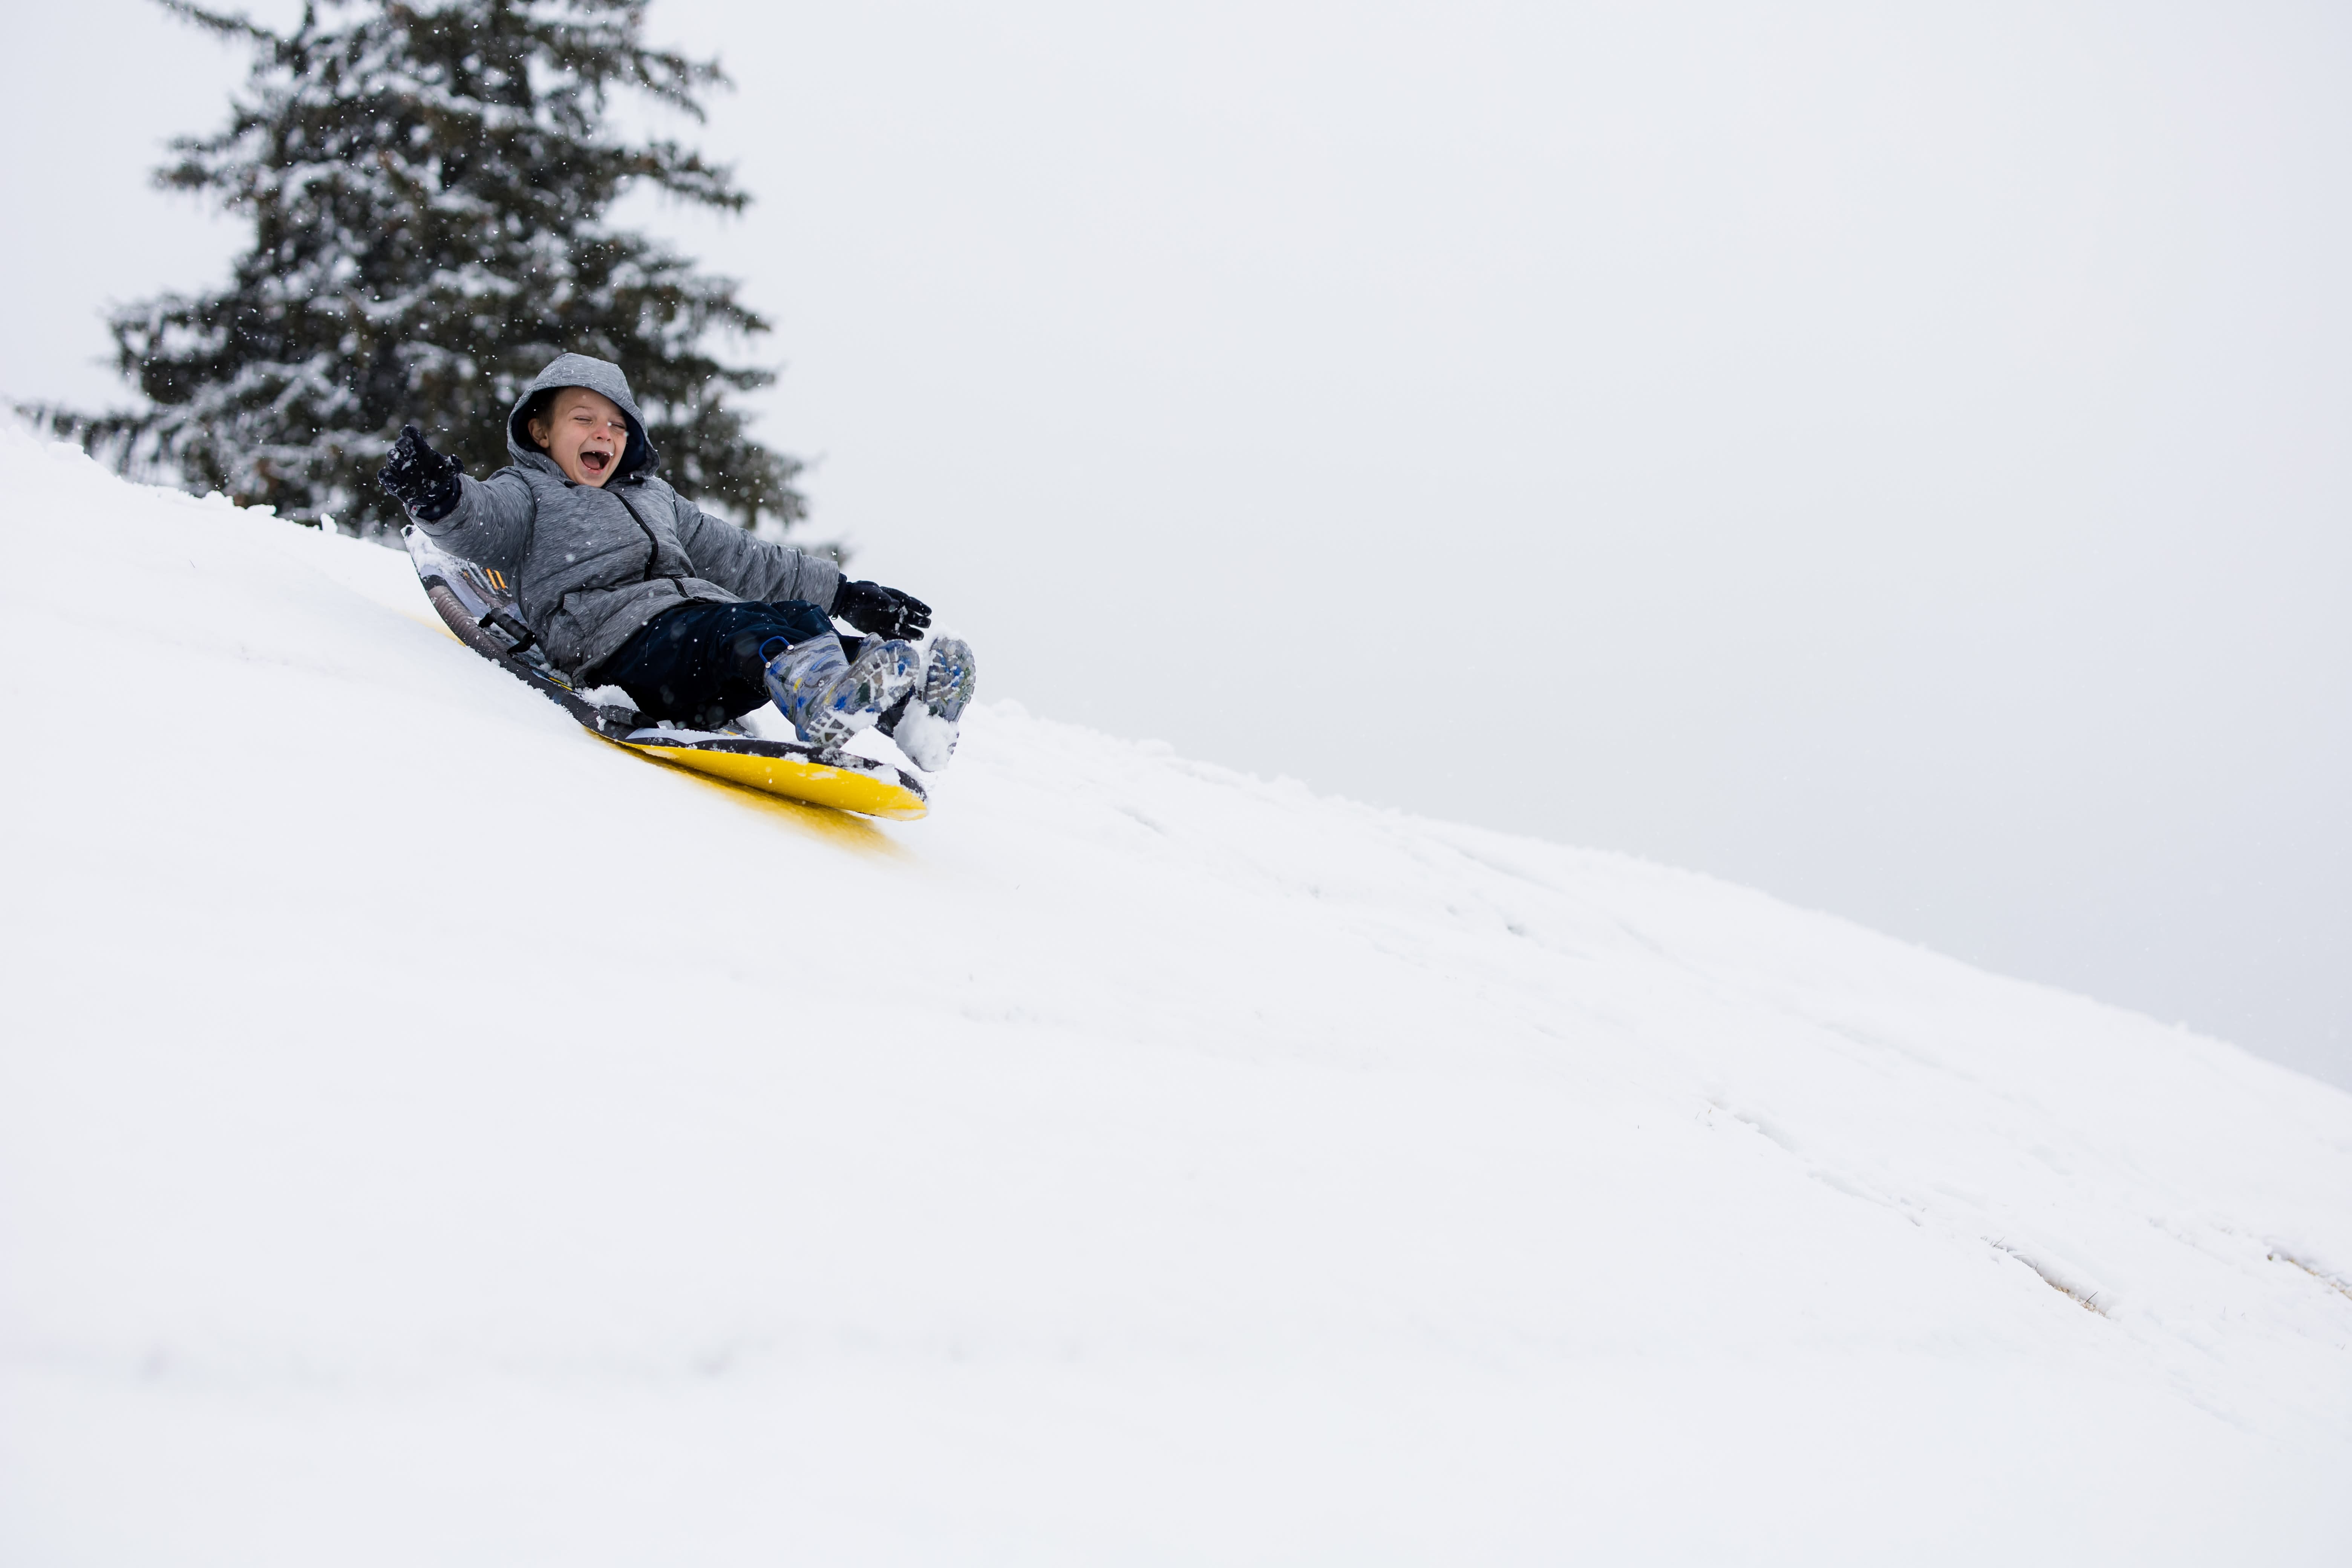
1893 456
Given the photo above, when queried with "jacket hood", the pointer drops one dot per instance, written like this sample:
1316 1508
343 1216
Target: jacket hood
639 459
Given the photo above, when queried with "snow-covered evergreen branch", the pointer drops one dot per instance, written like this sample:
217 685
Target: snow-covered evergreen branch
427 187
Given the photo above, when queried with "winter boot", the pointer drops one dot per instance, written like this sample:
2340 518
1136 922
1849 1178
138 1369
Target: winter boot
927 724
828 696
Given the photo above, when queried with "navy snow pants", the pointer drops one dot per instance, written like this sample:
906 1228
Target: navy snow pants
700 665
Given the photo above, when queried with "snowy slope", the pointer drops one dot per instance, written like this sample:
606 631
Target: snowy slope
428 1135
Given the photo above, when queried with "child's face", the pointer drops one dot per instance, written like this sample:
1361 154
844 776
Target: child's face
585 433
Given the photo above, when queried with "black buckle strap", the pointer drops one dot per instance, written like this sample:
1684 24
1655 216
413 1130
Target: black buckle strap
495 615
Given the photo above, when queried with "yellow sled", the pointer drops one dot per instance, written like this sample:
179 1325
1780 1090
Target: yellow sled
843 782
478 604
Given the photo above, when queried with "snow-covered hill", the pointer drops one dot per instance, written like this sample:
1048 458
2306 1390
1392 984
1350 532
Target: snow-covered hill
429 1135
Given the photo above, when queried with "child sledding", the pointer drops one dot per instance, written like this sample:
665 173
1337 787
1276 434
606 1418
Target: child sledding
623 582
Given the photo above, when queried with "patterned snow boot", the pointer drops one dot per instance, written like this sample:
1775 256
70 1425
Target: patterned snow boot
927 722
829 697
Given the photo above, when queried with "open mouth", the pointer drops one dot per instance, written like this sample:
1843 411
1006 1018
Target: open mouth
596 462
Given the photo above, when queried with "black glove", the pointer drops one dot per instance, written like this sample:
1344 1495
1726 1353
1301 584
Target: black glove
881 612
419 478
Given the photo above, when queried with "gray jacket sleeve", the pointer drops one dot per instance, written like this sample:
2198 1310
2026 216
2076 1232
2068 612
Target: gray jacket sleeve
491 525
743 563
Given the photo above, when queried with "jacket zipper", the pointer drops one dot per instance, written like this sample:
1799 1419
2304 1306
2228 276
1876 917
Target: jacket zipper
653 545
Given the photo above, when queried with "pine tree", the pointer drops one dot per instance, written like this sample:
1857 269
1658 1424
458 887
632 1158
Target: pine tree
427 187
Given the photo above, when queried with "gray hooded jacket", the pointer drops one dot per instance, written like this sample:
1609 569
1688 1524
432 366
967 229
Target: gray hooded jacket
590 566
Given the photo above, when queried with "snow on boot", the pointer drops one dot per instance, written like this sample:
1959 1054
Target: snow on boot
927 729
828 696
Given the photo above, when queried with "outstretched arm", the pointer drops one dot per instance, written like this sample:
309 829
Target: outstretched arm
742 563
488 523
